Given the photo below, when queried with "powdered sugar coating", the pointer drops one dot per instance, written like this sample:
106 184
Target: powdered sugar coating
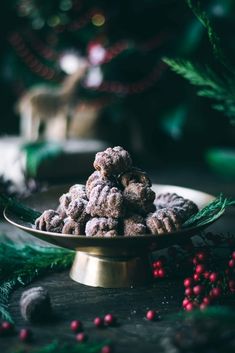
105 201
101 227
134 225
164 220
73 227
134 175
112 161
50 221
139 198
97 179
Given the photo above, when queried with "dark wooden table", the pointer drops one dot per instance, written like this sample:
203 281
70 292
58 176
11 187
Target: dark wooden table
74 301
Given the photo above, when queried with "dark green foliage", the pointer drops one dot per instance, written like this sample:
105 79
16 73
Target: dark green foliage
20 265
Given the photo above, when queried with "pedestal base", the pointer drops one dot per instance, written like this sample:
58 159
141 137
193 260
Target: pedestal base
107 272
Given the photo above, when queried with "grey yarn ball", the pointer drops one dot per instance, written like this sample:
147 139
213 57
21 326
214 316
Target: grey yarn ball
35 304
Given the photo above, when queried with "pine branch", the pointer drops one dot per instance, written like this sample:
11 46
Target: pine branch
209 213
196 7
213 86
56 347
21 265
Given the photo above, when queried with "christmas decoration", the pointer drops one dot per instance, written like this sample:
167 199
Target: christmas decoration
20 265
35 304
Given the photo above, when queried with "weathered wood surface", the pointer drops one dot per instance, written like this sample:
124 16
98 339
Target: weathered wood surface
74 301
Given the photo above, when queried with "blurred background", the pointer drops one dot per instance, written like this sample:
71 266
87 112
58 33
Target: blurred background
80 75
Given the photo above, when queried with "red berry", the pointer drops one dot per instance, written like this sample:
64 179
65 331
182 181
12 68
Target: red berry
203 306
200 269
161 273
213 277
196 277
155 273
188 282
206 300
231 285
76 326
195 262
197 289
188 292
81 337
215 292
155 264
150 315
201 256
6 328
206 274
233 255
231 263
159 263
25 335
185 302
189 307
106 349
109 319
98 322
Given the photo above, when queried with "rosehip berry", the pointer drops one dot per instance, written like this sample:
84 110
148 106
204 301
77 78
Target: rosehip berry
201 256
25 335
98 322
231 285
196 277
206 300
81 337
106 349
203 306
213 277
188 282
76 326
231 263
189 307
200 269
109 319
188 291
161 273
215 292
206 274
150 315
198 289
185 302
6 328
155 273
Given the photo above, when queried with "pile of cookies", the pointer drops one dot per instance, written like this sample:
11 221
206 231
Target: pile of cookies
117 200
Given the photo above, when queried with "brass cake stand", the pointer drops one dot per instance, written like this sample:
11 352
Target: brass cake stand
109 262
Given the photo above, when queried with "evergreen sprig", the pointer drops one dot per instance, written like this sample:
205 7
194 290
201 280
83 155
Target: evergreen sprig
20 265
210 212
57 347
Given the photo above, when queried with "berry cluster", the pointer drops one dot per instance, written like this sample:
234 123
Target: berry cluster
207 286
158 268
8 329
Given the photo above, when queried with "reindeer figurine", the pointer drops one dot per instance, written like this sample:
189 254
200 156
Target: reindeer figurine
48 106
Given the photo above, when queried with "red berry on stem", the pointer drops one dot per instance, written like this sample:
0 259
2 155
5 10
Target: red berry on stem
195 262
203 306
109 319
231 263
196 277
25 335
200 269
161 273
6 328
76 326
213 277
81 337
185 302
98 322
188 292
198 289
159 263
206 300
201 256
155 273
189 307
155 264
150 315
215 292
188 282
206 274
106 349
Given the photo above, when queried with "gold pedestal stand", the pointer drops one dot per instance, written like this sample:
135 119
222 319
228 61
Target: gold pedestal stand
111 272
